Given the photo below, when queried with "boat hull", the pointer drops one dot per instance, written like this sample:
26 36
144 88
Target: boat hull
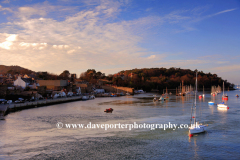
225 98
197 130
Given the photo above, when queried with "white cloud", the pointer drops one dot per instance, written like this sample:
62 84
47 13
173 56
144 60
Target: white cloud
228 10
7 44
151 57
71 51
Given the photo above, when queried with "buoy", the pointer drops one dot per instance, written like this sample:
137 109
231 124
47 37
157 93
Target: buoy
227 107
190 135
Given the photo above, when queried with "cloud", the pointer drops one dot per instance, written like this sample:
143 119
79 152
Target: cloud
151 57
7 44
201 18
228 10
5 9
89 37
86 39
6 1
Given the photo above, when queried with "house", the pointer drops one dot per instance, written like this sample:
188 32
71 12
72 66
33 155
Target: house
99 91
53 84
25 82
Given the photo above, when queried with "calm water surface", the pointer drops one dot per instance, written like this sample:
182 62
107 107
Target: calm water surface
32 133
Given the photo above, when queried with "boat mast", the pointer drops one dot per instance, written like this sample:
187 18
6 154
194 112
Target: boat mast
195 101
223 88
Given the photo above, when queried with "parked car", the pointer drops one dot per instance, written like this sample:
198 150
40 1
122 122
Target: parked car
20 100
9 101
4 101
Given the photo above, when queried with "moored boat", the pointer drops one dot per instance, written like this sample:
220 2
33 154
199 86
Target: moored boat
211 103
108 110
196 128
223 106
224 97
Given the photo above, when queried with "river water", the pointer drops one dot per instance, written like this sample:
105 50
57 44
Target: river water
32 133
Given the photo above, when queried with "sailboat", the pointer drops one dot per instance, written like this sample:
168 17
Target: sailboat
203 92
195 126
224 97
127 94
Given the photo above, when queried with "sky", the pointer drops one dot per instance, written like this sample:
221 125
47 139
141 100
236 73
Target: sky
111 36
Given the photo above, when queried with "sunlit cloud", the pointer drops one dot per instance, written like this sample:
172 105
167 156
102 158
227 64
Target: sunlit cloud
151 57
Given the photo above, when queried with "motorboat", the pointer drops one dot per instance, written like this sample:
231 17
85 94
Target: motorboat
108 110
211 103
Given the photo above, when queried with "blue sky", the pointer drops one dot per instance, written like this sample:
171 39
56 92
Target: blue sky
111 36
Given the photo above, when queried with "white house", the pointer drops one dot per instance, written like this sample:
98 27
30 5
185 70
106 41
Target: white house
99 91
78 90
25 82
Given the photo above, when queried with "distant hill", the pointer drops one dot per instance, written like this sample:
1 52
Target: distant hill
14 69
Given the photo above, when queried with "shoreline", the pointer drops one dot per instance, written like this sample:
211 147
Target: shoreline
6 109
11 108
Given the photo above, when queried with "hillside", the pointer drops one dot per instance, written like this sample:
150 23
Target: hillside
14 69
160 78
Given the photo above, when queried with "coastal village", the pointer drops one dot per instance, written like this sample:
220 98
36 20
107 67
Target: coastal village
21 91
28 86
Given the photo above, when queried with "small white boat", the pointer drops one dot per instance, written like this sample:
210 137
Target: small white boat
161 99
211 103
92 97
197 128
223 106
